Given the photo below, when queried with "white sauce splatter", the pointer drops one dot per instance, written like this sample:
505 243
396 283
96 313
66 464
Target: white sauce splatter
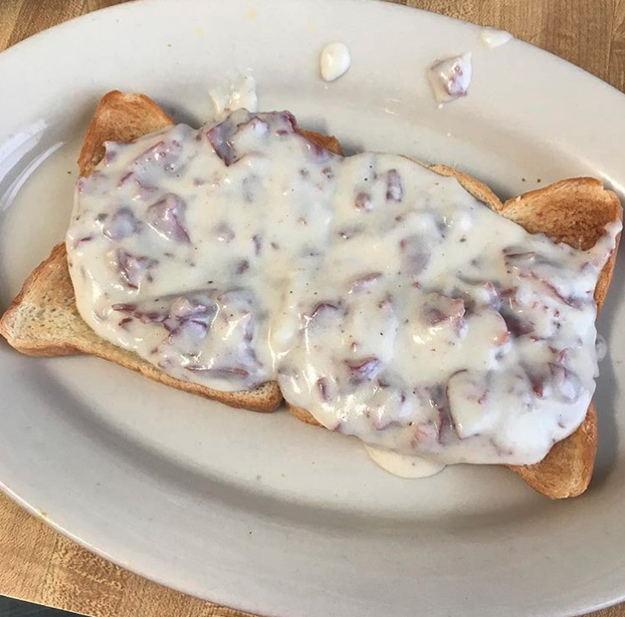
491 37
334 61
238 93
402 465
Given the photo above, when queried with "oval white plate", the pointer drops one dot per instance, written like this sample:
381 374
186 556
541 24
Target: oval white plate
262 512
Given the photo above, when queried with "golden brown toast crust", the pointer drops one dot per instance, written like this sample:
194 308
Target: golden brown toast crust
567 469
119 117
572 211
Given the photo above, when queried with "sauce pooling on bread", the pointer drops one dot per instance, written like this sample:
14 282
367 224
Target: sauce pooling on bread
382 297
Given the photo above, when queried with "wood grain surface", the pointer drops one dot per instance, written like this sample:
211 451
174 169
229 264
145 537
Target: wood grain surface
40 565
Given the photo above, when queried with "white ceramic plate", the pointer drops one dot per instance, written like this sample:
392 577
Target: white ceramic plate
262 512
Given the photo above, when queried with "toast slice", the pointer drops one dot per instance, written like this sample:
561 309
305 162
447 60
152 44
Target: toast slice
43 319
575 212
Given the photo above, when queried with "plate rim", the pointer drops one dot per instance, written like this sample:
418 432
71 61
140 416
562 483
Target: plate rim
36 40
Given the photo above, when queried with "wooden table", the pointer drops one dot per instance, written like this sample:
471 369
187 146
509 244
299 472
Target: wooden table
38 564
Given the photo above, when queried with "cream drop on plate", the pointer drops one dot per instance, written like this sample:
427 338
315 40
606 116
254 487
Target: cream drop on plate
403 465
334 61
491 37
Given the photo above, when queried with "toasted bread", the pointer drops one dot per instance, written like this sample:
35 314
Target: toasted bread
573 211
43 319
